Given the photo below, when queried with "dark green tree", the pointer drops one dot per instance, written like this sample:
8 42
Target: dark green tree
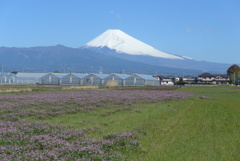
233 69
234 72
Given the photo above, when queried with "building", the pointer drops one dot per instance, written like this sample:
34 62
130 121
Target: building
74 79
206 78
52 78
94 79
189 80
213 79
29 78
99 79
166 80
8 78
141 80
115 79
221 79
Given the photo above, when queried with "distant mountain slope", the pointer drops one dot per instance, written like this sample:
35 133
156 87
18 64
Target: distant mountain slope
61 58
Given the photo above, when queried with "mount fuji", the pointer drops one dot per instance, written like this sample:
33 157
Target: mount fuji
123 43
123 46
112 51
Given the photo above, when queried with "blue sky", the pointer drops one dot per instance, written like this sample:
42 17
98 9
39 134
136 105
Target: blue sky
202 29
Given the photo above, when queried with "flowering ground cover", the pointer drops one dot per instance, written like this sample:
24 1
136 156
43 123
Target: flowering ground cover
25 134
45 105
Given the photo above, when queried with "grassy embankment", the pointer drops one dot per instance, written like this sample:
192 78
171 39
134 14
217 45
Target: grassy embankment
206 127
5 89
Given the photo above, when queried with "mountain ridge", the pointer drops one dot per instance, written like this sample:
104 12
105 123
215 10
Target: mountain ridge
106 55
66 59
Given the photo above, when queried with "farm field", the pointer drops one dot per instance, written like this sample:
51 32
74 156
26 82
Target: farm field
192 123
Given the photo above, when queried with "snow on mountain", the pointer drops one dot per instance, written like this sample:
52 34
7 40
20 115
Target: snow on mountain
187 57
123 43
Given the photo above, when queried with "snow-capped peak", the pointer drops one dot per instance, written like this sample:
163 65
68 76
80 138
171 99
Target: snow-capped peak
123 43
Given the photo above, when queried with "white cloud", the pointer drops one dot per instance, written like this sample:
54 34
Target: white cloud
208 31
115 14
189 30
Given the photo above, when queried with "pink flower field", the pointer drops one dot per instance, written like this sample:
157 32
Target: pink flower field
22 139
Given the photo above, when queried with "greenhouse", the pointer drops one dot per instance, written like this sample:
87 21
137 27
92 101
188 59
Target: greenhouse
141 80
8 78
74 79
94 79
52 78
29 78
115 79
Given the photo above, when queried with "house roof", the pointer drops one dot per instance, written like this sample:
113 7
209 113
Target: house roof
206 75
214 75
223 76
188 79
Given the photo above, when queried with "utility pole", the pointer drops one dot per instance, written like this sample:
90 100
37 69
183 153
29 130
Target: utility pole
234 78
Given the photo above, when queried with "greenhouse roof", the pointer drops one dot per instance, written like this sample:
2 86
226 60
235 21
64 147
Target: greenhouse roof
123 76
79 75
30 75
59 75
146 77
102 76
3 74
